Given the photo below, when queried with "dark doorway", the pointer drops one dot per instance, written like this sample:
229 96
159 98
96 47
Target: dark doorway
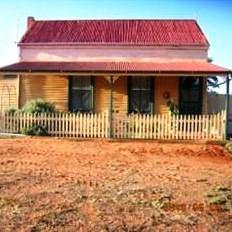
190 95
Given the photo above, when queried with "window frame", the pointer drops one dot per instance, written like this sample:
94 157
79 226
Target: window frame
151 97
70 94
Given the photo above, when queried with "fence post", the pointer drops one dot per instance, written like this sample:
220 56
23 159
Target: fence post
111 108
1 121
1 117
227 105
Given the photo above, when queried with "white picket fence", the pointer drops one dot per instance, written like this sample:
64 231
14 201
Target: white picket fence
58 124
179 127
137 126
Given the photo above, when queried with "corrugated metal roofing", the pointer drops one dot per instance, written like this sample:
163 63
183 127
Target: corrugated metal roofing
132 32
120 67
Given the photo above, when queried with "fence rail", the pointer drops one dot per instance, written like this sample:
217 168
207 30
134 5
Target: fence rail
179 127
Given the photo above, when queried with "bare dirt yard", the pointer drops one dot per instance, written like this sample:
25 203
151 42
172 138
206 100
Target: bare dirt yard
50 184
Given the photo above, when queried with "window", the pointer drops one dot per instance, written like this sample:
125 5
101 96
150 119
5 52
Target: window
141 96
81 94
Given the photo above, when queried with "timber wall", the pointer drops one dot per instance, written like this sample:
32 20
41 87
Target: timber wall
53 89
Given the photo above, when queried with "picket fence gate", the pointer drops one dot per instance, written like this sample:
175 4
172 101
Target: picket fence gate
133 126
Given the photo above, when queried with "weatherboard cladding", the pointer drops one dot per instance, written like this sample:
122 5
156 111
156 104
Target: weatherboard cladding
132 32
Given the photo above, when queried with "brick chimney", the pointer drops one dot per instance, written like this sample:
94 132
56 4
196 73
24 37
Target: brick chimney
30 22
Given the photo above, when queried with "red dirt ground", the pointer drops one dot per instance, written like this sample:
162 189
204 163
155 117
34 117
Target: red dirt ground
49 184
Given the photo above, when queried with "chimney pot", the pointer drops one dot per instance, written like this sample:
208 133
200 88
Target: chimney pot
30 22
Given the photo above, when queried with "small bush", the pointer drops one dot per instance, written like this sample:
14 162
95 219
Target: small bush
218 200
221 196
35 130
228 146
11 111
173 107
39 106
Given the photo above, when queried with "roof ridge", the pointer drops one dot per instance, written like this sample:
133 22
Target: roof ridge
117 19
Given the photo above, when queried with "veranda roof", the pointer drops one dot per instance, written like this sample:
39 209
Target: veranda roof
116 67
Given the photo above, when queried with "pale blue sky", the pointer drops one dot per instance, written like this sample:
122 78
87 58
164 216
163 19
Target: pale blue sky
214 17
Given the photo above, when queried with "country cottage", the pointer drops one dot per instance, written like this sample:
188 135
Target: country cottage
125 67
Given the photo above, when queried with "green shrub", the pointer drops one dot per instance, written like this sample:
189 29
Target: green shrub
37 130
11 111
220 196
173 107
39 106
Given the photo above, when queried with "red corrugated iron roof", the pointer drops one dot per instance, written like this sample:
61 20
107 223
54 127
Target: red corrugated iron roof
132 32
119 67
